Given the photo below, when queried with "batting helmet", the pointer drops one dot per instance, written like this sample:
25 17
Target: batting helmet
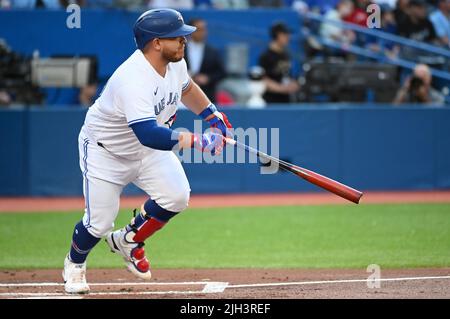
160 23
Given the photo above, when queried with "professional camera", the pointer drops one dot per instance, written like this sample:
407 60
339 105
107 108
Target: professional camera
15 77
415 84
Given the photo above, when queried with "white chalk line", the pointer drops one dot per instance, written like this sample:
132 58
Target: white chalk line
111 293
210 287
56 284
299 283
50 297
214 287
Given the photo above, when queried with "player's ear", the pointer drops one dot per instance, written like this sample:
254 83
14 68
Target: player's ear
156 43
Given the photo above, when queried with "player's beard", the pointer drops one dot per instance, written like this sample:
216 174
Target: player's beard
174 56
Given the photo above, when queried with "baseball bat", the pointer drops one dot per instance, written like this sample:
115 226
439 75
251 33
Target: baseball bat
324 182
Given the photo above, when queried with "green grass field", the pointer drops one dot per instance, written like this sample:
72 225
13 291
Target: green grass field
393 236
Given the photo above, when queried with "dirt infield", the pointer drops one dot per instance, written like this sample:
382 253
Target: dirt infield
27 204
233 283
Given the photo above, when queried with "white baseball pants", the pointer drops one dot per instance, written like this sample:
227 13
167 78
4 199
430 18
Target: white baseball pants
160 174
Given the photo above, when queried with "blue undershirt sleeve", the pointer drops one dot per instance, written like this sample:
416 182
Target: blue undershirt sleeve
150 134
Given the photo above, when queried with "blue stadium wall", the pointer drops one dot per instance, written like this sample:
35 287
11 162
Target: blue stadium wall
108 33
371 148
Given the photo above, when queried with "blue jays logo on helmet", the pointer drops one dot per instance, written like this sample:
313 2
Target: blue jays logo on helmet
159 23
180 17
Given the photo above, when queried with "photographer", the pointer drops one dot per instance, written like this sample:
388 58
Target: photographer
417 88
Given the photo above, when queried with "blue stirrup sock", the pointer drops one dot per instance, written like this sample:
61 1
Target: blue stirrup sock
82 243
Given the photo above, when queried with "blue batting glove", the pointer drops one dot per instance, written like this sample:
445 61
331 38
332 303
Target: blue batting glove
208 143
219 120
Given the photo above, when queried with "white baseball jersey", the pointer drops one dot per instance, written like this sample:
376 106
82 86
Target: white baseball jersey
135 92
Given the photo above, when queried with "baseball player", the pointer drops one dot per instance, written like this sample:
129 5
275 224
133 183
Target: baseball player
126 138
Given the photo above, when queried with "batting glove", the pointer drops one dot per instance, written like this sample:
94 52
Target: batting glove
208 142
219 120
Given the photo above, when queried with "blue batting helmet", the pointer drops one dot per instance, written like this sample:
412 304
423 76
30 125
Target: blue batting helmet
159 23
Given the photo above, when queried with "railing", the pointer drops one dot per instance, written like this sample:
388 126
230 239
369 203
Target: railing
433 49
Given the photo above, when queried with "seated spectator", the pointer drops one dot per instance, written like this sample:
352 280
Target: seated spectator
334 32
300 6
203 4
440 19
359 14
321 6
125 4
266 3
401 11
276 63
5 98
174 4
230 4
65 3
359 17
417 88
416 25
100 3
203 61
31 4
390 3
48 4
388 25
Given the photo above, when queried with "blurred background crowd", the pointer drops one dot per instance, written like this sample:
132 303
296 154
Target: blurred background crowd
355 51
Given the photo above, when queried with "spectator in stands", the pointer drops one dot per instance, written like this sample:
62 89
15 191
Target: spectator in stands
401 12
276 63
300 6
266 3
359 17
31 4
5 98
65 3
48 4
440 19
125 4
417 88
174 4
416 25
388 25
204 63
87 94
390 3
203 4
333 32
359 14
230 4
321 6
